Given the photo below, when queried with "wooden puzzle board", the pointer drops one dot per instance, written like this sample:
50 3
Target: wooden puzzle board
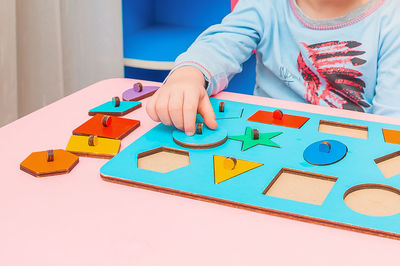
248 190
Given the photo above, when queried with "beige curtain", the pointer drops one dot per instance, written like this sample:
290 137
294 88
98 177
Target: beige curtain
51 48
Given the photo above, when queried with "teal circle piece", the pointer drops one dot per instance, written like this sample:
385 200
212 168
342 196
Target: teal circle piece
325 152
208 139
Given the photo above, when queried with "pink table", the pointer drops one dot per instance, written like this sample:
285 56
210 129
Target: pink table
78 219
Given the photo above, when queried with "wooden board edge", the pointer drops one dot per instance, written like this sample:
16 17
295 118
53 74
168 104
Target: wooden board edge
62 172
371 186
130 130
204 146
93 155
387 157
344 125
117 113
357 127
136 99
162 149
117 138
86 135
262 210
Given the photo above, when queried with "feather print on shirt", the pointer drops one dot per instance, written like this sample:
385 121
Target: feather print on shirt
334 62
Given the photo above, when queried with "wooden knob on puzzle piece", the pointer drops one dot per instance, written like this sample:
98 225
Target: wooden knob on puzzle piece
93 140
138 87
199 128
222 107
277 114
116 101
255 134
325 146
50 155
230 163
106 121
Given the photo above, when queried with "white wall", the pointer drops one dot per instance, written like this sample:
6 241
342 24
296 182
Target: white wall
54 48
8 62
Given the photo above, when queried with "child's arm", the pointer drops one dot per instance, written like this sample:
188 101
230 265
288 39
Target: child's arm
181 97
220 51
387 91
216 55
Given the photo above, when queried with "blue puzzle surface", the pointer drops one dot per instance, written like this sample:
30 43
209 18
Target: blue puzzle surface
231 110
357 167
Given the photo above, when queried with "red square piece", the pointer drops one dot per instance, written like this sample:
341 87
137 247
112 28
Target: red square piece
117 129
272 118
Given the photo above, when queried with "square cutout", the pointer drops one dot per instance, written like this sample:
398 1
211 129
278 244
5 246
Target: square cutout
342 129
300 186
389 164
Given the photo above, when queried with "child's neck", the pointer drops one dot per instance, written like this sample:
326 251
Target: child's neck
326 9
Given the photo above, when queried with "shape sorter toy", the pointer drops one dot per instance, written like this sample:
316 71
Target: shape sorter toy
322 169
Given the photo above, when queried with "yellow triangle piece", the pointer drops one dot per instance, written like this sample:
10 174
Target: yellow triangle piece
223 170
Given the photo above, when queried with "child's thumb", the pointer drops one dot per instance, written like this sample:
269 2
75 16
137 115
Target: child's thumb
206 111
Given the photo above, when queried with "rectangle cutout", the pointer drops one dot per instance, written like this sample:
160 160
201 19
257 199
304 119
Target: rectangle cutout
300 186
342 129
389 164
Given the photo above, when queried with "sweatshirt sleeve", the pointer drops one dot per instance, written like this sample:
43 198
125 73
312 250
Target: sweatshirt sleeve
387 91
220 51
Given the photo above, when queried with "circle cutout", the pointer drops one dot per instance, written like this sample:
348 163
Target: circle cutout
373 200
207 139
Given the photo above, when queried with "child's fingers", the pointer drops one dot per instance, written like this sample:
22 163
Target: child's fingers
151 108
190 103
175 108
207 112
162 108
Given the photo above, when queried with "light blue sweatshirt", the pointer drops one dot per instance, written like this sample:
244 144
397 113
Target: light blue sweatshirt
351 62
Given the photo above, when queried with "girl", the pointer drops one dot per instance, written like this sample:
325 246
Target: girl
337 53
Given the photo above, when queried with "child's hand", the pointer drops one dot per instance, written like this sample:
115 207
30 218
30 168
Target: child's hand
179 100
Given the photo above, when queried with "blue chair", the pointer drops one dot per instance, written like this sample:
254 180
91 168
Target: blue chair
155 32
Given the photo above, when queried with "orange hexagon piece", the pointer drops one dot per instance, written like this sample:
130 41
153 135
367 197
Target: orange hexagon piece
37 163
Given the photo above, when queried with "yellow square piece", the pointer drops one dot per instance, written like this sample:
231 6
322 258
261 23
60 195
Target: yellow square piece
104 148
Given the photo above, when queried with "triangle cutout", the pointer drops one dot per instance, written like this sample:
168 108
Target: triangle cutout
222 174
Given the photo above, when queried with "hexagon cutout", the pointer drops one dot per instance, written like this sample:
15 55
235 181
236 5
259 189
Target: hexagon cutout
37 164
163 159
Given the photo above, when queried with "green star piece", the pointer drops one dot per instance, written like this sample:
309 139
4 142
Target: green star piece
249 141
